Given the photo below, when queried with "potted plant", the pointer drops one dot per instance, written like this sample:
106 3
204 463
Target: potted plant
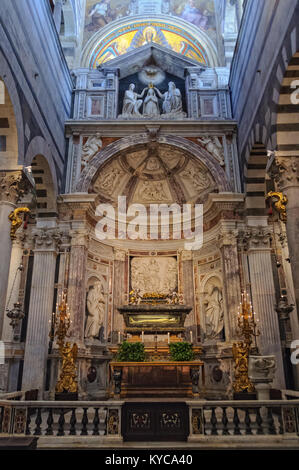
181 352
131 352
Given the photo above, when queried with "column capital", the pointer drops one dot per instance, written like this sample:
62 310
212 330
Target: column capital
119 255
46 239
227 237
79 237
13 185
256 238
285 171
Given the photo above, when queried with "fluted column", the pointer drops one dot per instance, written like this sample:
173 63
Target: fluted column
11 190
57 14
285 170
40 309
14 279
77 283
231 279
263 296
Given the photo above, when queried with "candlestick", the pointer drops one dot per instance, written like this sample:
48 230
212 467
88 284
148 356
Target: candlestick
119 336
142 336
191 336
168 338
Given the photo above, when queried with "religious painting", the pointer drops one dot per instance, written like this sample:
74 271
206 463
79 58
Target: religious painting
201 13
96 106
137 34
99 14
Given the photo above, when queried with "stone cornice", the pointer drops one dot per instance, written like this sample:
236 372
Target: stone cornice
118 128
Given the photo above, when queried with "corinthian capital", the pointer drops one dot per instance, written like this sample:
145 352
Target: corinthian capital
13 185
79 237
227 237
257 238
285 171
46 239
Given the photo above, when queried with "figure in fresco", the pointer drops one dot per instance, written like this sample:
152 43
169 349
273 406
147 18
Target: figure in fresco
132 104
100 15
190 11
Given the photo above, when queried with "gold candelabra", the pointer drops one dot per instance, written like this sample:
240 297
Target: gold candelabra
61 323
247 327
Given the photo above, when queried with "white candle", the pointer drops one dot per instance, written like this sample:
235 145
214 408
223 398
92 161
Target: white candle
191 336
168 337
119 336
142 336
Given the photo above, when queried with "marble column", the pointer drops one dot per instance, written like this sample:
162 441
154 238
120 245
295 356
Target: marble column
231 280
263 296
40 309
14 279
77 283
10 192
285 171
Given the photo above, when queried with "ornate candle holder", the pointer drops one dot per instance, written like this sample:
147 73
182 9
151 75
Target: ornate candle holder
248 330
61 323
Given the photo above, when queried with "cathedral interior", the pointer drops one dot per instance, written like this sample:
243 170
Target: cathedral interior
149 213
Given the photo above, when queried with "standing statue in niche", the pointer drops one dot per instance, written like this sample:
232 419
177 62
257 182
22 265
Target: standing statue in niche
132 104
91 147
96 311
214 313
172 100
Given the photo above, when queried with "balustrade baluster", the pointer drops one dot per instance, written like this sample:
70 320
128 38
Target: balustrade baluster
38 422
61 422
73 422
96 423
50 420
28 421
84 431
259 422
225 431
280 420
271 426
214 423
237 431
248 422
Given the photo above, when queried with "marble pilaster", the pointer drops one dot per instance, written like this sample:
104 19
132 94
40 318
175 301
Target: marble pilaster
188 288
263 296
77 283
40 308
231 280
119 289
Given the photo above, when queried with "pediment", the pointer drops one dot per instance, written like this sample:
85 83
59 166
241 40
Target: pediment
151 54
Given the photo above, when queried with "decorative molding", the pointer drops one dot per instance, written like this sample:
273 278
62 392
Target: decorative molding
13 186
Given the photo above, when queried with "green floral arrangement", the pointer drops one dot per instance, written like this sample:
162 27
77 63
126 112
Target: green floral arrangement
181 352
131 352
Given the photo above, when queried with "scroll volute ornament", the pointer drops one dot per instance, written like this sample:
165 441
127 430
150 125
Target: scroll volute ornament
280 201
16 220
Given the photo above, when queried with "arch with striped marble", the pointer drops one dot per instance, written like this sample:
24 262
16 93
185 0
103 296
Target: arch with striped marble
287 127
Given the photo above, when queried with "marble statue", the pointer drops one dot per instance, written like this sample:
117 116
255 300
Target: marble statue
91 147
96 310
214 146
153 274
214 313
151 104
131 103
172 100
